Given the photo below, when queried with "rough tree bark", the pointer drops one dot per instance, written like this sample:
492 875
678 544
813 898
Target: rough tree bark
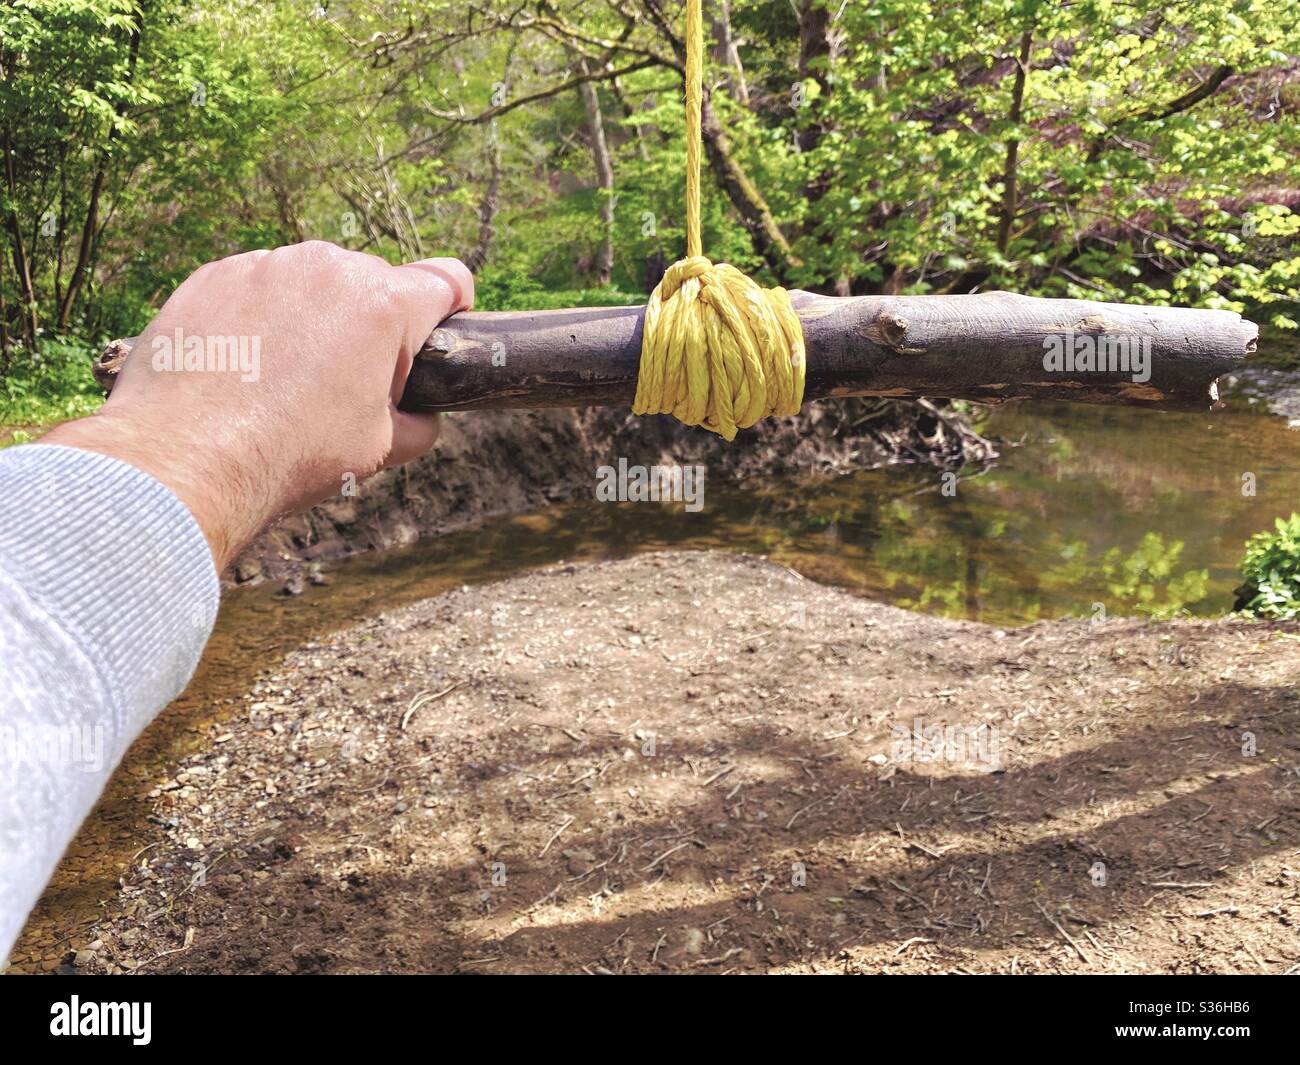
989 347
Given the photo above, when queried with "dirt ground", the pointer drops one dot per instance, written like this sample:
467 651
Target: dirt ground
693 762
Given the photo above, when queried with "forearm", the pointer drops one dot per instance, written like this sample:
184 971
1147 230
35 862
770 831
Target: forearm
230 502
107 595
110 545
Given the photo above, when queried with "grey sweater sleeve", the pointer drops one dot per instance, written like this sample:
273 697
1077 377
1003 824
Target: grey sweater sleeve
108 593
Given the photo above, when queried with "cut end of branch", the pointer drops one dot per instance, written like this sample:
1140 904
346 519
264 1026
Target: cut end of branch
110 360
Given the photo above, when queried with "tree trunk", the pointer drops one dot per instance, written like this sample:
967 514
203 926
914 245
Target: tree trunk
90 230
755 215
728 55
22 268
815 54
61 231
1010 170
487 210
604 178
819 47
4 322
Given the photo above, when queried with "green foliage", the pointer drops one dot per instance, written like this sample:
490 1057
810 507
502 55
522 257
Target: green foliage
497 291
1126 190
52 385
1154 144
132 134
1271 572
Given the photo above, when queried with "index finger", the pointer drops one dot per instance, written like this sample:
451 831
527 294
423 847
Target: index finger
432 290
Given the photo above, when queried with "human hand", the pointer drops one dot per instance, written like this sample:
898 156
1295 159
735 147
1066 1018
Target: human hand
319 342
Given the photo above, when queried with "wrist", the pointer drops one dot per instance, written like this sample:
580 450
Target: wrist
211 483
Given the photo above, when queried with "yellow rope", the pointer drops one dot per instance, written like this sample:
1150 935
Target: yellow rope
717 350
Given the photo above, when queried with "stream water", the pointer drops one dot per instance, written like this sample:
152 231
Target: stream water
1143 513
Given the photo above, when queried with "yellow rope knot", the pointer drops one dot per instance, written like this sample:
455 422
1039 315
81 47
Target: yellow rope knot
716 349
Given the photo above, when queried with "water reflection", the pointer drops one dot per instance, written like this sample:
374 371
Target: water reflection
1142 513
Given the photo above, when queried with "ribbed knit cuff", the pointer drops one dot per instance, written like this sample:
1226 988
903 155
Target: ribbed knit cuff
116 560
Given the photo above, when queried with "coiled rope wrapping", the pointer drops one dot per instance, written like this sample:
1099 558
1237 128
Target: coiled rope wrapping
717 350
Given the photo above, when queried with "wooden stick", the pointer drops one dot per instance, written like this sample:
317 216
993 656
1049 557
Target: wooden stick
989 347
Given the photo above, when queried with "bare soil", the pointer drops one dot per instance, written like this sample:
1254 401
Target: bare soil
692 763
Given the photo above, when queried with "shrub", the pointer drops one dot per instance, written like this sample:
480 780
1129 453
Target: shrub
498 290
1271 570
51 384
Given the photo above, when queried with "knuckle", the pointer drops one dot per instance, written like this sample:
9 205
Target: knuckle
213 270
205 271
321 250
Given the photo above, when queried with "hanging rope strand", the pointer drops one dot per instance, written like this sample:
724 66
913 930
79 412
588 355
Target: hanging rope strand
694 121
716 350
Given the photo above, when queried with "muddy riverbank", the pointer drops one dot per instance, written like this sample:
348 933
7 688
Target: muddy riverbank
696 762
488 464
